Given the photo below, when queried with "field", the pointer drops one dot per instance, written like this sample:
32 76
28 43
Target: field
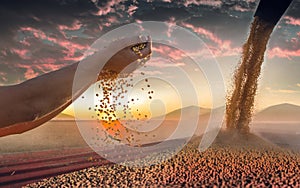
231 161
58 148
57 134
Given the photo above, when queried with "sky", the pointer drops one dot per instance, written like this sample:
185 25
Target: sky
41 36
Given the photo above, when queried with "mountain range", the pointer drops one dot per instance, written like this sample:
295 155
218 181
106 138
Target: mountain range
280 112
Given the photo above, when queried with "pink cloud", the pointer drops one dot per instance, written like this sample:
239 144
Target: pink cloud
24 42
291 20
222 47
207 34
3 76
218 52
41 65
4 52
36 33
215 3
107 24
23 54
171 52
138 21
75 26
44 66
111 20
179 55
240 9
294 39
131 9
171 23
30 73
48 60
161 63
70 47
283 53
74 59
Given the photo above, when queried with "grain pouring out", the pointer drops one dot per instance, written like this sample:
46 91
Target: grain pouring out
115 90
240 103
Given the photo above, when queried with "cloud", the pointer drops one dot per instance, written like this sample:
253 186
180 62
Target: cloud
240 8
38 37
149 72
220 47
292 21
3 52
38 66
283 53
171 23
110 21
74 58
30 73
206 33
286 91
60 33
75 26
283 91
298 84
109 7
22 53
47 64
70 48
161 63
65 29
3 76
226 5
215 3
171 52
131 9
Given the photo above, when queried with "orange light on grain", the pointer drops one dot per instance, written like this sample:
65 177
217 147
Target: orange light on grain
114 128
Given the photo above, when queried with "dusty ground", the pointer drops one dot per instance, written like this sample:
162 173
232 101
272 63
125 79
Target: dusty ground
51 135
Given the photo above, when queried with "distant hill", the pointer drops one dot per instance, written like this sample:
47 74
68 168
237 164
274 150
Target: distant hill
280 112
63 116
219 111
190 111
